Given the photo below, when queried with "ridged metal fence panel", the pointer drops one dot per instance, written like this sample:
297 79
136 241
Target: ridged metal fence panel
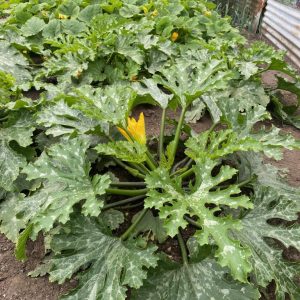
281 26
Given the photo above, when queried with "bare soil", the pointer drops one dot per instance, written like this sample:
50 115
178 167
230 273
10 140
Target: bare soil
16 285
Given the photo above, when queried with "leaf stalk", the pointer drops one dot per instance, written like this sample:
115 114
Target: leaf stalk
122 202
127 233
178 133
162 132
182 248
127 192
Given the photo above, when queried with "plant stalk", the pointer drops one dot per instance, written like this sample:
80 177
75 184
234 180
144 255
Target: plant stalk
189 163
127 233
179 171
127 192
121 202
150 161
131 206
182 248
245 182
143 170
192 222
177 133
130 170
146 170
179 164
187 173
128 184
162 132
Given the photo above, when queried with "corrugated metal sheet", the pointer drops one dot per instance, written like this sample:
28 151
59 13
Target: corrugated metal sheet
281 26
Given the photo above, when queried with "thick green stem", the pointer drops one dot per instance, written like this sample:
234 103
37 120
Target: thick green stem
245 182
182 248
192 222
150 161
131 206
177 133
146 170
224 186
179 164
140 167
187 173
128 184
122 202
179 171
189 163
130 170
162 133
127 192
127 233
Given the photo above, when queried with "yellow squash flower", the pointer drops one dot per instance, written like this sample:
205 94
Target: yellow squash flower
62 17
145 9
174 36
136 129
207 13
154 13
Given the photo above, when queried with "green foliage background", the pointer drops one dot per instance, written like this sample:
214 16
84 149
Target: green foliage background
89 63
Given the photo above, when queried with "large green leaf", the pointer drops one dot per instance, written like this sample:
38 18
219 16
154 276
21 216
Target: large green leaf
126 151
33 26
7 82
125 46
204 280
65 169
167 196
150 87
11 164
188 80
273 140
13 62
150 224
19 128
268 263
217 144
10 223
111 104
63 119
111 264
241 116
251 164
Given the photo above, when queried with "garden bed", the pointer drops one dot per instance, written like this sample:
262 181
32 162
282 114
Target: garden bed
136 140
16 285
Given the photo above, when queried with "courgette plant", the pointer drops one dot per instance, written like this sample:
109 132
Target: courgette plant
79 166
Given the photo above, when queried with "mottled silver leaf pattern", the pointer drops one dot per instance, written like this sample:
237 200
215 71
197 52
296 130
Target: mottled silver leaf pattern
205 280
113 264
65 169
267 261
167 196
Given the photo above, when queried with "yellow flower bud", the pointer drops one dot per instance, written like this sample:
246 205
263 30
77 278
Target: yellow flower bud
207 13
174 36
154 13
44 13
145 9
62 17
